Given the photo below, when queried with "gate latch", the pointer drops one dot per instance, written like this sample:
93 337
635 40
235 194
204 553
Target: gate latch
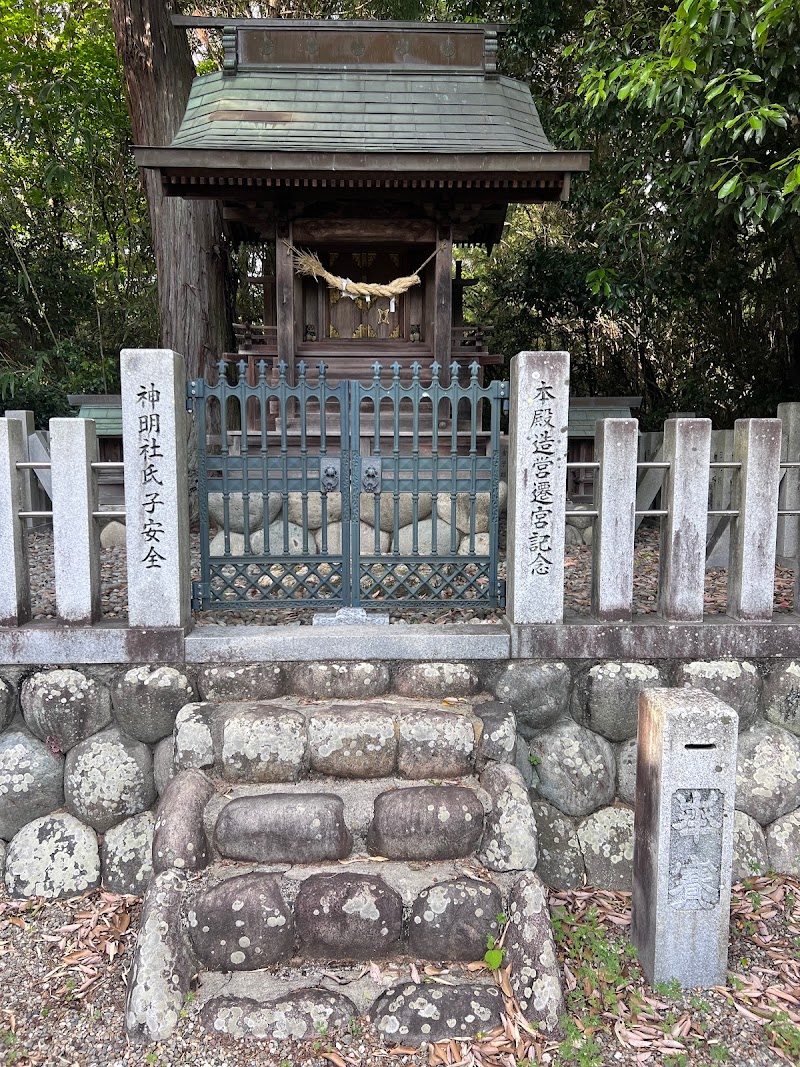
371 478
329 474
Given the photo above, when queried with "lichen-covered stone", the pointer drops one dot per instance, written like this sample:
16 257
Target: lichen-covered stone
560 863
451 920
538 692
347 916
31 781
301 1015
627 754
108 777
446 535
53 857
783 844
241 924
471 514
352 742
261 743
606 839
255 510
179 837
127 855
146 701
530 949
749 848
498 740
410 1014
576 768
435 744
340 681
781 696
426 822
435 680
163 962
767 772
194 741
64 707
606 697
242 681
328 541
164 768
737 683
522 761
313 515
509 836
283 828
7 704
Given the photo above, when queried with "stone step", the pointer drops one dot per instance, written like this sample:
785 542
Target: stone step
286 739
255 939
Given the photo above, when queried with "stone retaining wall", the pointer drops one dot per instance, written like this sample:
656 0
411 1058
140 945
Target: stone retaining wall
98 742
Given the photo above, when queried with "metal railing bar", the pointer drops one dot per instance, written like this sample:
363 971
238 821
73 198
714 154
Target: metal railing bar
652 514
652 465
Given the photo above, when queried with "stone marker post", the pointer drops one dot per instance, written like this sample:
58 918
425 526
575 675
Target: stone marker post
683 835
156 486
788 548
537 487
616 443
30 498
15 600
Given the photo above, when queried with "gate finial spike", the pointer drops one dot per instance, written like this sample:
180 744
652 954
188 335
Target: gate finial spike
416 368
455 370
436 370
474 370
396 368
262 371
282 369
376 371
241 366
221 367
322 367
301 370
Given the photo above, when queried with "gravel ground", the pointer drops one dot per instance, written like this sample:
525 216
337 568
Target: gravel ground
63 968
578 563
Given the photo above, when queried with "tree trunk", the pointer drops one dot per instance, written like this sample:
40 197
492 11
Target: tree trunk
190 253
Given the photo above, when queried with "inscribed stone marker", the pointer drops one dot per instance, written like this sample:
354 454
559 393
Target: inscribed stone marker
685 791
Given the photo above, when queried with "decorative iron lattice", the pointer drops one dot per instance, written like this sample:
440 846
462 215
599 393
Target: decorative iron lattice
373 488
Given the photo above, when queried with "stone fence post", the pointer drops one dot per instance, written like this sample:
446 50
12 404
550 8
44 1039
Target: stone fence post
616 445
537 487
15 601
788 548
154 428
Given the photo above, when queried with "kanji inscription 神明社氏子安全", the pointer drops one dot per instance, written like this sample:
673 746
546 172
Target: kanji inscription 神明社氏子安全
149 434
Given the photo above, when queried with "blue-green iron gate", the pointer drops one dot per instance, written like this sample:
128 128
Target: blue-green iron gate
336 493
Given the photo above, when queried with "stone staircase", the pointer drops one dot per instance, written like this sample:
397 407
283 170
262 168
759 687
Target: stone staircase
316 861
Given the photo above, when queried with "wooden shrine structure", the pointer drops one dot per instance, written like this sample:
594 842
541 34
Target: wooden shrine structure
375 146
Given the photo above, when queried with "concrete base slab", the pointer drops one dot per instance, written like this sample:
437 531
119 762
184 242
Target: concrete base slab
39 643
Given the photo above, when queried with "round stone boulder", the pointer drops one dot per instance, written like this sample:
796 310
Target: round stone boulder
179 837
560 863
781 696
767 773
538 692
107 778
465 509
146 701
241 924
480 546
576 768
606 697
193 743
340 680
572 535
738 683
427 822
275 542
783 844
113 535
451 920
7 704
509 836
163 764
31 781
445 536
435 680
347 916
749 848
301 1015
261 743
498 740
531 953
64 707
386 509
606 839
331 543
411 1014
242 681
283 828
126 855
435 744
352 741
313 516
52 857
627 755
255 502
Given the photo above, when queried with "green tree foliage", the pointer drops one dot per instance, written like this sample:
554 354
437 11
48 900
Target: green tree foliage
76 268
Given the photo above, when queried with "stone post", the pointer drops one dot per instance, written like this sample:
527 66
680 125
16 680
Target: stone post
687 449
30 497
76 537
718 536
683 835
537 487
751 579
615 448
156 486
788 545
15 600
